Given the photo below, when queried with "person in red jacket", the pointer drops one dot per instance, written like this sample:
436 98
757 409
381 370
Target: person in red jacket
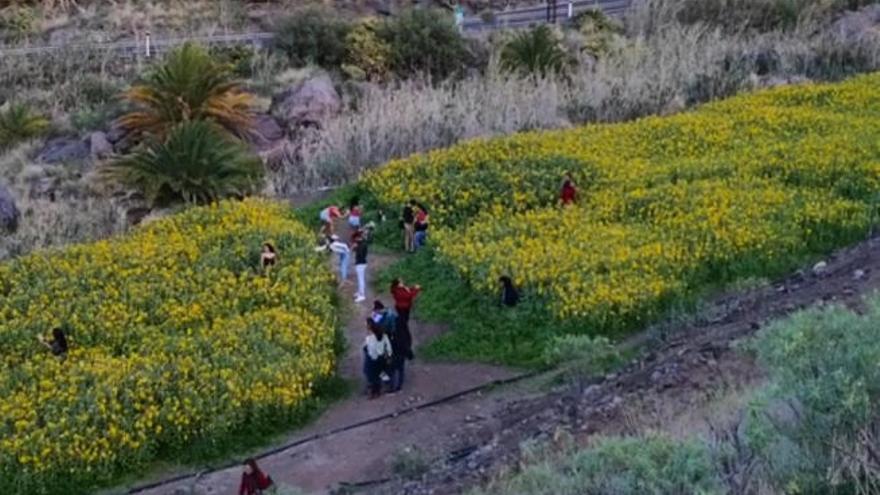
253 481
568 194
403 302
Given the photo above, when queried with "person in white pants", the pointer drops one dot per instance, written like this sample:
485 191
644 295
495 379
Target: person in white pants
360 266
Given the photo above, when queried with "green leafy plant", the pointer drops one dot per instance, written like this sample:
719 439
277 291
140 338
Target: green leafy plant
196 163
655 465
367 51
19 123
817 427
425 42
582 356
188 85
315 36
537 52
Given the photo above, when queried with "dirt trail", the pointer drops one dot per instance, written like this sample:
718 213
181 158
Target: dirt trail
366 453
692 382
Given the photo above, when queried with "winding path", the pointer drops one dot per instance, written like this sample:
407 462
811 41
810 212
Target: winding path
367 453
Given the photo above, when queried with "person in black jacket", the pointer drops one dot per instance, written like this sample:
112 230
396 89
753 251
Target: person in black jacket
509 294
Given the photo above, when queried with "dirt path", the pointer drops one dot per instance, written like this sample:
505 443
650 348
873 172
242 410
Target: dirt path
692 382
367 453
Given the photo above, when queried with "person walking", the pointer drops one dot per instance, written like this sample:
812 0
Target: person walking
377 353
408 218
253 481
360 266
568 192
403 301
509 294
344 252
421 226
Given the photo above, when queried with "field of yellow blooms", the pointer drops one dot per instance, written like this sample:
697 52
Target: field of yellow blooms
175 336
669 206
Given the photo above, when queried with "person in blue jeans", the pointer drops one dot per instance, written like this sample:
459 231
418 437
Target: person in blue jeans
421 226
401 344
344 253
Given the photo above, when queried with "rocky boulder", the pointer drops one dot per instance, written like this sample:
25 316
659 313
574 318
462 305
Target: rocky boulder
266 132
9 214
64 149
99 146
306 104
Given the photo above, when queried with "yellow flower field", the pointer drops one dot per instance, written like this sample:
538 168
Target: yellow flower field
175 336
668 206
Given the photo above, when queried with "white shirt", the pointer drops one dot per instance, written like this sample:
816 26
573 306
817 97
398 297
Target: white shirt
377 348
339 247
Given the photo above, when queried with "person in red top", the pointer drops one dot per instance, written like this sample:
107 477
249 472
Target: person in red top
403 301
568 194
253 481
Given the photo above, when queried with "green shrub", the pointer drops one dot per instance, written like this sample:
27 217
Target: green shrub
410 462
315 36
619 466
537 51
238 59
597 30
17 23
18 123
425 42
582 356
817 428
197 163
367 51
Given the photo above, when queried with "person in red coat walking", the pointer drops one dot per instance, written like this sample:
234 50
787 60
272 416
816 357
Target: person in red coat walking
568 194
253 481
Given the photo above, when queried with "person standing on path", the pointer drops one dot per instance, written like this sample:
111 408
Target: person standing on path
408 218
253 481
403 301
360 266
377 354
344 252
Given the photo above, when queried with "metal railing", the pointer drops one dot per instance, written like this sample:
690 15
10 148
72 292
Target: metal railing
514 18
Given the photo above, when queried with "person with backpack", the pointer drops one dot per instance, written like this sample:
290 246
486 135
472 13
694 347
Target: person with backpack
377 355
401 344
253 480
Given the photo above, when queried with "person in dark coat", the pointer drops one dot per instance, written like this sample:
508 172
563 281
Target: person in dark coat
509 294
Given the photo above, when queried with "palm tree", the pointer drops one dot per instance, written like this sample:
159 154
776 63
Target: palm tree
188 85
18 123
535 52
197 163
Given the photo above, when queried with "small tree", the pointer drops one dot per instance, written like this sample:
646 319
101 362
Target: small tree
197 163
535 52
188 85
367 52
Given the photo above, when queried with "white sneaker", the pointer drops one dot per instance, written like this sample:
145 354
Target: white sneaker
359 299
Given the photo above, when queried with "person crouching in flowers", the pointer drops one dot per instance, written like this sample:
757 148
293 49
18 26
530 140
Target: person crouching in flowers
253 481
568 193
58 345
329 215
509 294
377 354
268 257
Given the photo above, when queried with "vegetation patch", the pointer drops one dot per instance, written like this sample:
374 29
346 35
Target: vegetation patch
668 207
176 337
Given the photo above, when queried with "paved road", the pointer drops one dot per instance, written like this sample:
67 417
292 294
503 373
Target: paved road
522 17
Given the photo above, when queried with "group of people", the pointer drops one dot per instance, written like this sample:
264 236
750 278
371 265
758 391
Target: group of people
388 344
358 243
415 222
